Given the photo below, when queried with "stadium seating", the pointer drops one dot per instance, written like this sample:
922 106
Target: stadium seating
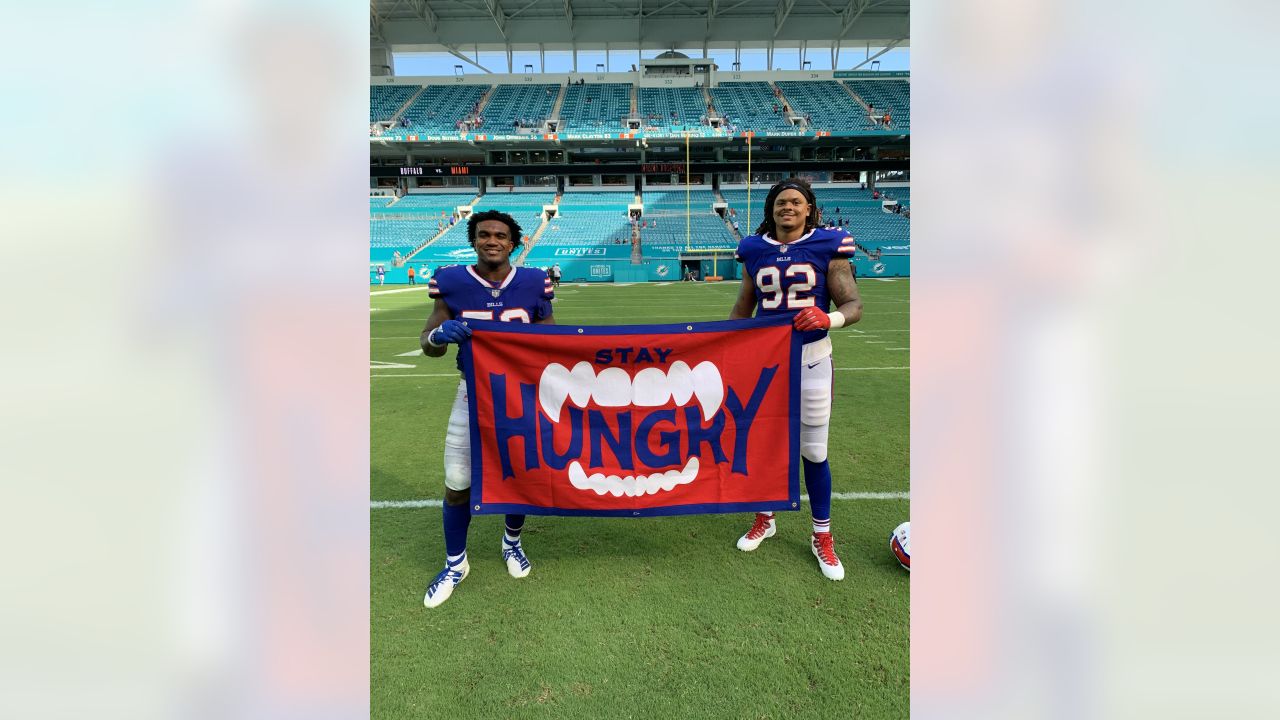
509 103
385 100
431 203
673 110
388 234
664 110
609 103
598 199
587 228
891 95
411 221
749 106
439 108
865 219
828 104
590 219
666 209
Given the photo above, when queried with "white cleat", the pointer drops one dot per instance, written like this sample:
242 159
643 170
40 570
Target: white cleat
824 549
442 587
763 527
513 554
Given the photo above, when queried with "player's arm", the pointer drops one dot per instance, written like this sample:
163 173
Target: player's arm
441 330
843 290
746 302
548 320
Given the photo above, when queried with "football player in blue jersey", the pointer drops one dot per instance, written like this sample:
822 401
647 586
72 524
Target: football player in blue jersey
491 289
792 266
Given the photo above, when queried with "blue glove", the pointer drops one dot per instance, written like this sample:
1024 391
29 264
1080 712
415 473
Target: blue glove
452 331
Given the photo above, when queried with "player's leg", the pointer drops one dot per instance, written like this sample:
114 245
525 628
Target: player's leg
512 551
456 512
815 425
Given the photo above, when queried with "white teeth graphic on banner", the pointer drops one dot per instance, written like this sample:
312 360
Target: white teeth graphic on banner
632 486
614 387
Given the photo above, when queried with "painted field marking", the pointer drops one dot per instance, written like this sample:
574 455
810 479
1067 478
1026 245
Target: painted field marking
411 353
391 375
422 288
382 365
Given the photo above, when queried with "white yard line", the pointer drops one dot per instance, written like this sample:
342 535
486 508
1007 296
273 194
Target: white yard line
419 288
391 375
415 504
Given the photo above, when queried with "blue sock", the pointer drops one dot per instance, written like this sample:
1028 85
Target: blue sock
514 523
457 518
817 481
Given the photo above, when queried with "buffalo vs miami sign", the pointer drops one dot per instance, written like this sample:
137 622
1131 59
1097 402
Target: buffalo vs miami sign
634 420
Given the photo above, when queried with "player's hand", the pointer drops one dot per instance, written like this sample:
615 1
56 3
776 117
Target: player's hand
811 318
451 331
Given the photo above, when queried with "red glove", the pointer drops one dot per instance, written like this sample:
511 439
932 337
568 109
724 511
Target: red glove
811 318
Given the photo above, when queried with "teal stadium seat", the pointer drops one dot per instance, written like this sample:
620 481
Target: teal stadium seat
749 106
589 221
829 105
532 103
385 100
439 108
703 230
673 110
409 222
610 102
891 95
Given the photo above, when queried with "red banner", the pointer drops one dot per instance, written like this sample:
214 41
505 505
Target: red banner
634 420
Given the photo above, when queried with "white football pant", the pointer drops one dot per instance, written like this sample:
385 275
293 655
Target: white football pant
815 409
457 444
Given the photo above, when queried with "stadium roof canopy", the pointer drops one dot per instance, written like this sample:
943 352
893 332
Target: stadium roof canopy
557 25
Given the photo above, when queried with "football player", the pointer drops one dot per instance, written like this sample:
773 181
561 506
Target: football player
491 289
792 266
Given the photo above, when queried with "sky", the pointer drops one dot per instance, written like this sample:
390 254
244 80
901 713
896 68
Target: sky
413 64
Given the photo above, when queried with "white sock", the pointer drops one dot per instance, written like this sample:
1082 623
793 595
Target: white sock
456 559
510 539
822 526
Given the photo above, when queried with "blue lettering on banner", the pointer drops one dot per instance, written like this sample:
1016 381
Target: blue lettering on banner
534 432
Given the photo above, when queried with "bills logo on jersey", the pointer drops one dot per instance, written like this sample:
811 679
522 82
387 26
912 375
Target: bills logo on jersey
633 421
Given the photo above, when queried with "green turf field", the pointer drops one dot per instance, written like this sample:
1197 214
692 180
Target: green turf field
641 618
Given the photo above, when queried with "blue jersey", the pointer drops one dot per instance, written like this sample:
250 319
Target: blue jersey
792 276
524 296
